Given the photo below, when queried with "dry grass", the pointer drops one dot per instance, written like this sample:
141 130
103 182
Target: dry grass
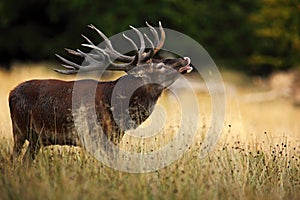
257 157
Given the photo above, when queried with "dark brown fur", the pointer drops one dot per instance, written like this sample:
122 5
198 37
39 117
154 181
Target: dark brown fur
41 110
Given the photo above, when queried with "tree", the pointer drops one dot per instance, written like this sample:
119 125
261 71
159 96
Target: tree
277 27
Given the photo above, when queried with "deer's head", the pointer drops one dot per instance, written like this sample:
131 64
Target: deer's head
163 71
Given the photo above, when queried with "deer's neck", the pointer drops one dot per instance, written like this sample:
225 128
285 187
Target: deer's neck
132 101
143 101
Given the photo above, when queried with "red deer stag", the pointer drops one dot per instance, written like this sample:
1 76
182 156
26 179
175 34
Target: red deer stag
41 110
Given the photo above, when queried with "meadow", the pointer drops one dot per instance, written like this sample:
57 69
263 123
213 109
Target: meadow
257 156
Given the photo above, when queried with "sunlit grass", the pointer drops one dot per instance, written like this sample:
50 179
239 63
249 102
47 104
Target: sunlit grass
257 157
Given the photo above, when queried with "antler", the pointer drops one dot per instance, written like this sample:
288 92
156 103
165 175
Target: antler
100 58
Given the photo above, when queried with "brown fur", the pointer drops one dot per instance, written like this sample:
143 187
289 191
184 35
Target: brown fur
41 110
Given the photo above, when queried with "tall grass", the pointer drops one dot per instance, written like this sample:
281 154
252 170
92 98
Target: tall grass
236 171
257 157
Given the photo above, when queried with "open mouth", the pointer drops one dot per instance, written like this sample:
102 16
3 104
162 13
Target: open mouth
187 68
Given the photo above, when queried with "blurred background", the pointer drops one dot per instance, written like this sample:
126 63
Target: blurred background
256 37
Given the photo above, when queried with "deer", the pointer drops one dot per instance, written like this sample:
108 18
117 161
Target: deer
41 110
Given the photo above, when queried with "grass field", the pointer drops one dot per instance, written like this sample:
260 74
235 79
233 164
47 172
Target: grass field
257 156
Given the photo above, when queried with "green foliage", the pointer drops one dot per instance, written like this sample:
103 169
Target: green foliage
277 27
247 35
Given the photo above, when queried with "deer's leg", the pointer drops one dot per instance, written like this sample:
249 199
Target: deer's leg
19 140
33 147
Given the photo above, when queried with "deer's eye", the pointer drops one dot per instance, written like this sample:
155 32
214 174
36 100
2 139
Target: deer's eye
168 61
